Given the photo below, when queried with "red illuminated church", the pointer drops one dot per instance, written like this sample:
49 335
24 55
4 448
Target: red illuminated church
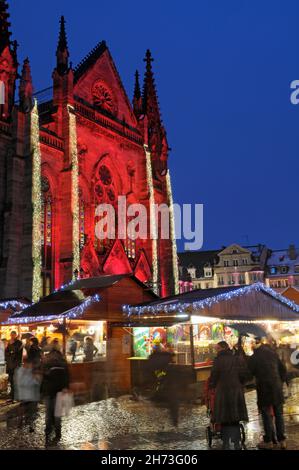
60 157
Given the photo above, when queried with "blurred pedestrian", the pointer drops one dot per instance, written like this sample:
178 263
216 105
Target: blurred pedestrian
227 379
270 374
90 350
13 358
35 353
27 388
55 380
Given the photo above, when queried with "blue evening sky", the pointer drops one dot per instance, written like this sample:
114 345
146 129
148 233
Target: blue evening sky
223 71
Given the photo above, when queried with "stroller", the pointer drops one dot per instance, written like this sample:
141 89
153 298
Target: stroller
214 431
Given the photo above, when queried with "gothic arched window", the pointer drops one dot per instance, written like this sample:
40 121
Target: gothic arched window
104 193
46 235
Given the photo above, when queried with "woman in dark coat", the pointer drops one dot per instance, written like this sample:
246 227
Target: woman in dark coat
228 375
270 374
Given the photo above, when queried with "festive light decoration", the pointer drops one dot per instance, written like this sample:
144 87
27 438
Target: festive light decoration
177 306
75 190
15 304
176 276
154 231
37 205
72 314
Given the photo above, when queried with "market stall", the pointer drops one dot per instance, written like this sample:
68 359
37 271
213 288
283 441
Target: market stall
86 317
191 324
7 308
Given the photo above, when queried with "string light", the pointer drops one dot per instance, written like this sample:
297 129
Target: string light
177 306
75 190
74 313
175 268
155 262
37 205
13 304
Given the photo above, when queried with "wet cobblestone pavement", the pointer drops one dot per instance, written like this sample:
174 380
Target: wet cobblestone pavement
123 424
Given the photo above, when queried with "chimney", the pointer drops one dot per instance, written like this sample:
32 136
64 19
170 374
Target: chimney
292 252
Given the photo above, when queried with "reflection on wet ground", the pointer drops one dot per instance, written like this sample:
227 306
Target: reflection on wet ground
123 424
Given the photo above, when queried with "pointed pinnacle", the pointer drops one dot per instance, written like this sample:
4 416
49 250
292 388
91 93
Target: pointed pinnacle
137 90
62 44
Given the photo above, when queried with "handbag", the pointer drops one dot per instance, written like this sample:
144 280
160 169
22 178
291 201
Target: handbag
64 404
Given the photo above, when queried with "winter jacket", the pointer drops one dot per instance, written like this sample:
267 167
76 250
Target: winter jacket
228 375
55 374
35 355
270 374
14 355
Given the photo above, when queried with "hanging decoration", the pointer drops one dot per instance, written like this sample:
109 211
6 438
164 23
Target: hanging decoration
193 307
75 190
154 230
37 205
176 276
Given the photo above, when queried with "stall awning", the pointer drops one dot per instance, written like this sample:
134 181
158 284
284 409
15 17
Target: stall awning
250 303
96 298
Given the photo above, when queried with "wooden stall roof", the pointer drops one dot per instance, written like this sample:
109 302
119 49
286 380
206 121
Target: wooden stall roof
292 293
113 292
9 307
249 303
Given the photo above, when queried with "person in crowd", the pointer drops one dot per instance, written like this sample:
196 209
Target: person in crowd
13 358
270 374
27 345
27 388
35 353
90 350
45 344
73 346
228 376
55 380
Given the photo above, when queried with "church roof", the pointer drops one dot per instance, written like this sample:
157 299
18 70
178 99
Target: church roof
89 60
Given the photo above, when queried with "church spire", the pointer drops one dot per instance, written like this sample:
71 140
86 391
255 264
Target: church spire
4 25
62 52
150 98
26 88
137 100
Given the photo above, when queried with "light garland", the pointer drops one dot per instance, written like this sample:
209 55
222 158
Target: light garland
155 262
75 190
177 306
176 276
74 313
15 304
37 205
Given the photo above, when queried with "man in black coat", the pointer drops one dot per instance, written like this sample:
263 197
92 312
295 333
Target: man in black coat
55 380
270 374
228 375
13 358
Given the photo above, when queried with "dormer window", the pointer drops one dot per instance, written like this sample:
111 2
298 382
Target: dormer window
273 270
284 269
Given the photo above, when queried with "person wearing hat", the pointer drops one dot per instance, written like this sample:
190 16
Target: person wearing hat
270 374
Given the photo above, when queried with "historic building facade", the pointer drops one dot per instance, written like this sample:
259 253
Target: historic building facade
282 269
230 266
61 157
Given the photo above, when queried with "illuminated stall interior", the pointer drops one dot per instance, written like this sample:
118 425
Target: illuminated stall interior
86 317
191 324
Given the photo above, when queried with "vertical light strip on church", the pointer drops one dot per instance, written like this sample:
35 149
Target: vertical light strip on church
37 205
75 191
173 235
153 229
